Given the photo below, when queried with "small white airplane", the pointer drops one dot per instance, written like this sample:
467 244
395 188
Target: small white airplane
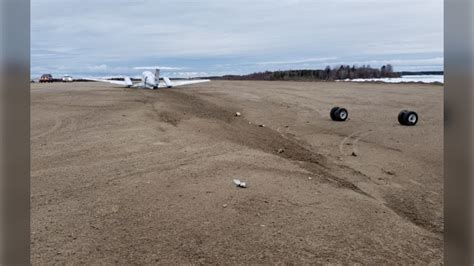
151 80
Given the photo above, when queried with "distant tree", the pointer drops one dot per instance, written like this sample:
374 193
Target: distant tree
327 69
338 72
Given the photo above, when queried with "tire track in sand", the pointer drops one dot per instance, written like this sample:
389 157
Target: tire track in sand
262 138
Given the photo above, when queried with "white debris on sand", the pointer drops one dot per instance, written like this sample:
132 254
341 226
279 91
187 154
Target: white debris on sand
239 183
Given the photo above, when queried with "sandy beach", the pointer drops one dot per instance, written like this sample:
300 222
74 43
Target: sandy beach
134 176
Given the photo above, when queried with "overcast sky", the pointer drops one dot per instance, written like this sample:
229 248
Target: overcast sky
215 37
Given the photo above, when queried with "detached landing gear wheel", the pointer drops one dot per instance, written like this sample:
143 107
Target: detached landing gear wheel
408 118
341 114
400 117
411 118
333 110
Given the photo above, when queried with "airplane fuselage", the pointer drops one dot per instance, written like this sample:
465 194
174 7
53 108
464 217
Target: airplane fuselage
150 80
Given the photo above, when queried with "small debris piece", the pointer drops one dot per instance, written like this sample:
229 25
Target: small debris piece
388 172
281 150
240 183
309 177
237 114
354 154
261 125
224 206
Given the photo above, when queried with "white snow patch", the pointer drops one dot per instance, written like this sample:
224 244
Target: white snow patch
404 79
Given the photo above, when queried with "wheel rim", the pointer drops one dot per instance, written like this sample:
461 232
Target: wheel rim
412 118
343 115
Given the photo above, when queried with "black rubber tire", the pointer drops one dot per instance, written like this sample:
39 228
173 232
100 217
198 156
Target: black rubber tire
339 114
401 117
333 110
410 118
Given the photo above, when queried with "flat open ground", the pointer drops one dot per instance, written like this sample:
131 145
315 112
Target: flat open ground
125 175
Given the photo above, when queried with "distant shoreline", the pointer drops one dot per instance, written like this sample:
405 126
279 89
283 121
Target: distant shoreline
426 73
328 74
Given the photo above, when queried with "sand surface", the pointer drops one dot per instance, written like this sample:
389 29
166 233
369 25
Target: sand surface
140 176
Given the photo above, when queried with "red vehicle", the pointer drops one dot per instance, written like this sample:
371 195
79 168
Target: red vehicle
46 78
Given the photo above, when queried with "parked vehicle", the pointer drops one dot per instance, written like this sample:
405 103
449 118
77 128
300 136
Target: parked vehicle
67 79
46 78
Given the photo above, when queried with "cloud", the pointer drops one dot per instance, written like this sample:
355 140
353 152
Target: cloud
201 35
157 67
98 68
189 74
298 61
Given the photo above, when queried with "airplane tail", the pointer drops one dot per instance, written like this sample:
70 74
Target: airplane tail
168 82
128 81
157 76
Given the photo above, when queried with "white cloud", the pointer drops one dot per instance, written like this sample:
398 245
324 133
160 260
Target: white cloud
188 74
297 61
102 67
203 34
157 67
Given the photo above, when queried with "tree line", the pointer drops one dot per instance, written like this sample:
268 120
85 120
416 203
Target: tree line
340 72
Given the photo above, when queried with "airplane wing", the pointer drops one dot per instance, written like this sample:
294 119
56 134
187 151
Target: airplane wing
176 83
142 85
127 82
